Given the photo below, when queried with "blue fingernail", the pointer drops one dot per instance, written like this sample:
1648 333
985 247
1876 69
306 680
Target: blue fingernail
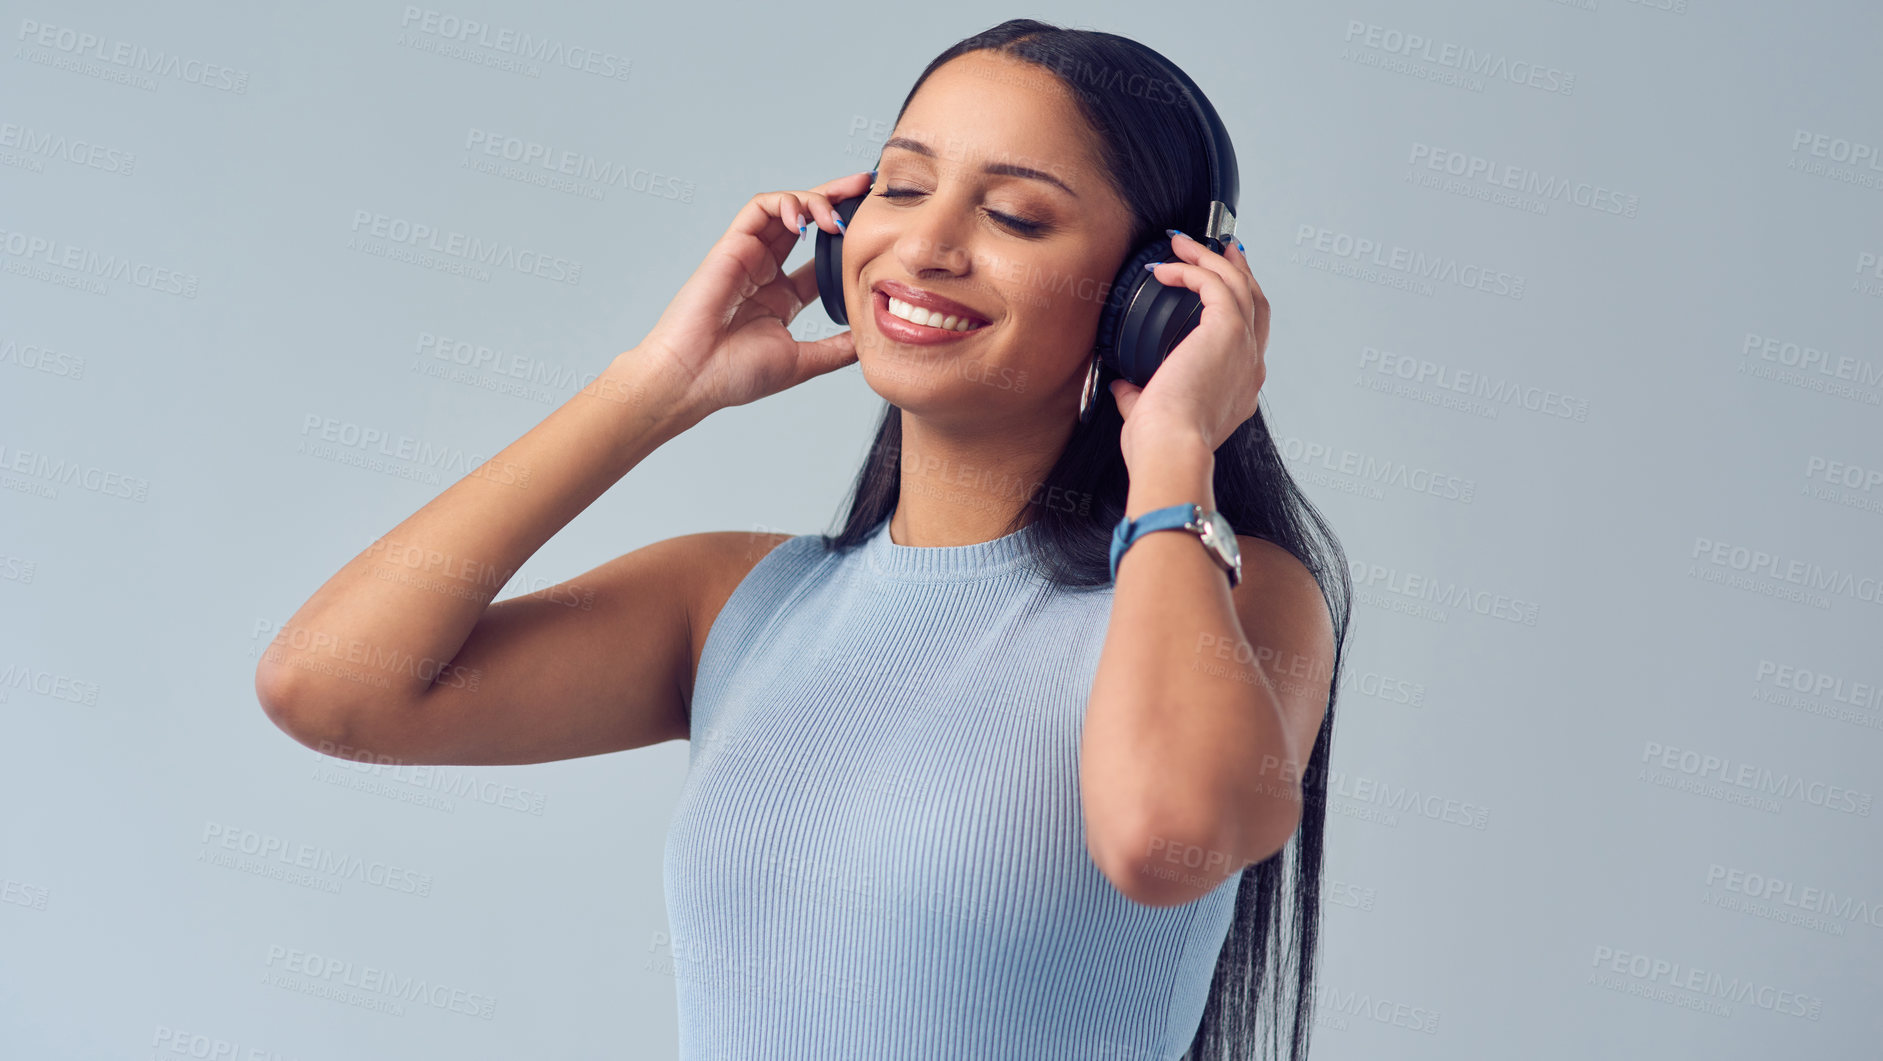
840 225
802 225
1241 248
1151 267
1175 232
872 176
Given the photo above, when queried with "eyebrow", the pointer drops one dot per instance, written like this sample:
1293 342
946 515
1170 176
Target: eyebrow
1007 169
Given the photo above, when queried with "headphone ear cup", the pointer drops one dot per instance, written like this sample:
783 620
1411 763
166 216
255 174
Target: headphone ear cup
1120 320
1153 326
829 266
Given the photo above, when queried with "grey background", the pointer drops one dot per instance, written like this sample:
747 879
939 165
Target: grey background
132 624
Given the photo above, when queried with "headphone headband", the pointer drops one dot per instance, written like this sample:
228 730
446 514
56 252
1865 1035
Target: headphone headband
1225 179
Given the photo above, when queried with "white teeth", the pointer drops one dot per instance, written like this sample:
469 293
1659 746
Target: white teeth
918 315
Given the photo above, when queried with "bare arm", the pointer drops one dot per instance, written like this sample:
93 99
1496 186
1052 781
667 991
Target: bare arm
401 653
405 630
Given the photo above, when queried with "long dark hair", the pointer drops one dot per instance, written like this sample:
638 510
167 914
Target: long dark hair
1154 157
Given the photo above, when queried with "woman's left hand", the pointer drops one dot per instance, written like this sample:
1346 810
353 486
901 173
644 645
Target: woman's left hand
1207 385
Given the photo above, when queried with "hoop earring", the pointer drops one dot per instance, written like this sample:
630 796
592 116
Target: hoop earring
1088 397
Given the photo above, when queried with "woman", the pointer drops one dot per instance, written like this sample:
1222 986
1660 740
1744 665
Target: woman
953 792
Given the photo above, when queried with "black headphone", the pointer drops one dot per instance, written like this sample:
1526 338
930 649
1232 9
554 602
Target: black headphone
1142 320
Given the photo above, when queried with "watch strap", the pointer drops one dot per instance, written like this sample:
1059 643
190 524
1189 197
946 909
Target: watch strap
1130 530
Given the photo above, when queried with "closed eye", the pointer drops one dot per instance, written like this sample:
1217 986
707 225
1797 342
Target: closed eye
1018 224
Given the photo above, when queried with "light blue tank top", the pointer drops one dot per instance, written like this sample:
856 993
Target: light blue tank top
879 850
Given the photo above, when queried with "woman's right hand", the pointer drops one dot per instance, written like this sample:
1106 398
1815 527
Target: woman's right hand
725 331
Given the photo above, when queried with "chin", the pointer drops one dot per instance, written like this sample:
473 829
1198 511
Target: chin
901 383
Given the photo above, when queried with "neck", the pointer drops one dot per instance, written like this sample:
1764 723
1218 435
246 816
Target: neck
963 486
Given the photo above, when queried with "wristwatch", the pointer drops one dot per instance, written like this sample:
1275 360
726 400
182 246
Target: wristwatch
1217 535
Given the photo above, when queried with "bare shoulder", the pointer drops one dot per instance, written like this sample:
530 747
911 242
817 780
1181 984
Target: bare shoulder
1280 602
1274 568
1286 621
719 560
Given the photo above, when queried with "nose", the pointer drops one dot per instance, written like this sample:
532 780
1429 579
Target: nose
930 239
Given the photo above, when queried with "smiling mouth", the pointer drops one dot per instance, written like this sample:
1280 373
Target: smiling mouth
931 319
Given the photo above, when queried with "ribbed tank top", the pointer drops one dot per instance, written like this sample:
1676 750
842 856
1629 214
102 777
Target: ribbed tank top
879 851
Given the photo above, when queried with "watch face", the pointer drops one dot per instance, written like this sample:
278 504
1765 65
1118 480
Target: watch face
1224 533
